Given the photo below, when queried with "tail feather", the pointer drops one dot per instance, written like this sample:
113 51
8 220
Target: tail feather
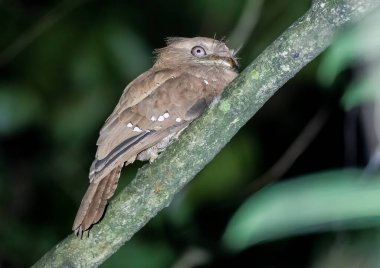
95 200
107 193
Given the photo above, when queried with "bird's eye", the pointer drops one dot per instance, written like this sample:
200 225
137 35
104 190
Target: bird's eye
198 51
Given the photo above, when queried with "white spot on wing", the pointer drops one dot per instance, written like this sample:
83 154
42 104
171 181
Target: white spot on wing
137 129
166 115
153 118
178 119
206 82
161 118
130 124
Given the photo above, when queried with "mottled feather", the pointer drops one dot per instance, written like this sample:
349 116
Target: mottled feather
152 110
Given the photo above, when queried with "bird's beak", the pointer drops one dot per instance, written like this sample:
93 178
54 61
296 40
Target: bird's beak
227 61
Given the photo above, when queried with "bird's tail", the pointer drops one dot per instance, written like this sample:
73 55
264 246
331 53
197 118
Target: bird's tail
95 200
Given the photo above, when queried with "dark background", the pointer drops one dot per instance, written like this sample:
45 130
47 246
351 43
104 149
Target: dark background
63 66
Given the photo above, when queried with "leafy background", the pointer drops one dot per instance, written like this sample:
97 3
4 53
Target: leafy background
63 65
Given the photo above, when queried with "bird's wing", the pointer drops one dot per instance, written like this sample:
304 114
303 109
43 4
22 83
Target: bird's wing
142 122
131 129
137 90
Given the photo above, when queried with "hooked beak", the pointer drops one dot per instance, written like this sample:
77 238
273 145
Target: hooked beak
226 61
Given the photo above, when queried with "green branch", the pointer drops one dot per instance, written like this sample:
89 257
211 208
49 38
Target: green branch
156 184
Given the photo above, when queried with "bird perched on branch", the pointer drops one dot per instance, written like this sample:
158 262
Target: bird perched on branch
154 108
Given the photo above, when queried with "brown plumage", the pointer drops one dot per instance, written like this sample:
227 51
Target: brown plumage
187 75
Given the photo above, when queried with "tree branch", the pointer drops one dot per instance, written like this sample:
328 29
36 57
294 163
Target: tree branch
156 184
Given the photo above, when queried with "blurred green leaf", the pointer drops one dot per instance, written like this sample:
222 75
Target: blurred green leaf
18 108
336 59
358 44
334 200
362 90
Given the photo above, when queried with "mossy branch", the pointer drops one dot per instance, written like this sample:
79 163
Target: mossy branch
156 184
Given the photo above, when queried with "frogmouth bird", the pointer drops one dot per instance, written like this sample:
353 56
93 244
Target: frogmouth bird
154 108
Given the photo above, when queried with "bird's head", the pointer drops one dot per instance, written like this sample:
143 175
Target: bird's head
196 51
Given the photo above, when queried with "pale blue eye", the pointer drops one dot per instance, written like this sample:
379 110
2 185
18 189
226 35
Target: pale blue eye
198 51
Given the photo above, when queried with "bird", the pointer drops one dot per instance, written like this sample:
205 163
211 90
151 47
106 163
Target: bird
188 74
